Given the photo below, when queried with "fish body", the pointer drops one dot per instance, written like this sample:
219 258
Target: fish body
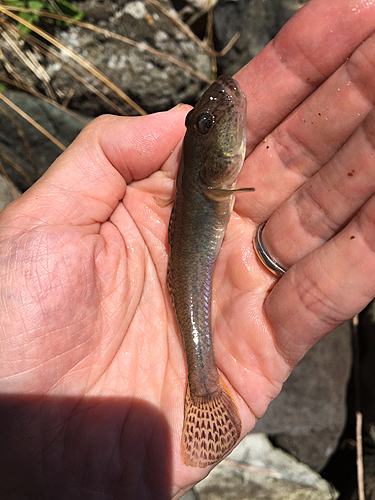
212 156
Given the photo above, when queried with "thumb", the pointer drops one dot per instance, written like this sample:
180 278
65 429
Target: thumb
85 184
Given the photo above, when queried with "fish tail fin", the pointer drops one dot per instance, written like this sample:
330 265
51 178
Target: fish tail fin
212 427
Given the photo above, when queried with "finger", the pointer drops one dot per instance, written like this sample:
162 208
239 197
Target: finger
86 182
308 49
311 135
327 202
326 288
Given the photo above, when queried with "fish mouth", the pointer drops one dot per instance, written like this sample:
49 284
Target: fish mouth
222 97
228 107
230 87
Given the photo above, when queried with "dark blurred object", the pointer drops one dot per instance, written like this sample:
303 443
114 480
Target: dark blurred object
257 22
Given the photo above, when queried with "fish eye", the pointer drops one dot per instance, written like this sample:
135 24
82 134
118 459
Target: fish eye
204 123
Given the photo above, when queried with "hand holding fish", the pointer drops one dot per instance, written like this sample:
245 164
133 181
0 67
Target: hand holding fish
93 374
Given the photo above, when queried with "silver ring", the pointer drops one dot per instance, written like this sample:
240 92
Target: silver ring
267 260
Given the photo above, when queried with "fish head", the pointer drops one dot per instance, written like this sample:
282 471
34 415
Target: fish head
216 132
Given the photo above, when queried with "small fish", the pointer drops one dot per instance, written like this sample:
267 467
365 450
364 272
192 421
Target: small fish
213 153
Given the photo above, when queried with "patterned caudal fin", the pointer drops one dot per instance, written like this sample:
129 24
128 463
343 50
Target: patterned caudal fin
212 427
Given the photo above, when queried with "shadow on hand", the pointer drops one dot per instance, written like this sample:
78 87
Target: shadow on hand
83 448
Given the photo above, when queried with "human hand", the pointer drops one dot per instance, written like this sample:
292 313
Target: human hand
93 375
311 116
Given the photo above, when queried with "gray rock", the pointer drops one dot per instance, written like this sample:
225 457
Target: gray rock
286 9
309 415
28 151
256 21
256 470
190 495
154 82
6 195
314 448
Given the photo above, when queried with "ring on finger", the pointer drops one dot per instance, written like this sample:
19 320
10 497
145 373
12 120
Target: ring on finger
265 257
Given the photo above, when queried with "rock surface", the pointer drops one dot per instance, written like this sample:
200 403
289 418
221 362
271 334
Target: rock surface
309 415
25 146
256 22
6 195
153 80
256 470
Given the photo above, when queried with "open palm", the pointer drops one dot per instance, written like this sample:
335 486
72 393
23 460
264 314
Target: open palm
93 374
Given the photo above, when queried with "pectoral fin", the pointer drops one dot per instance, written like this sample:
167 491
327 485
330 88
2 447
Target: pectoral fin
219 194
